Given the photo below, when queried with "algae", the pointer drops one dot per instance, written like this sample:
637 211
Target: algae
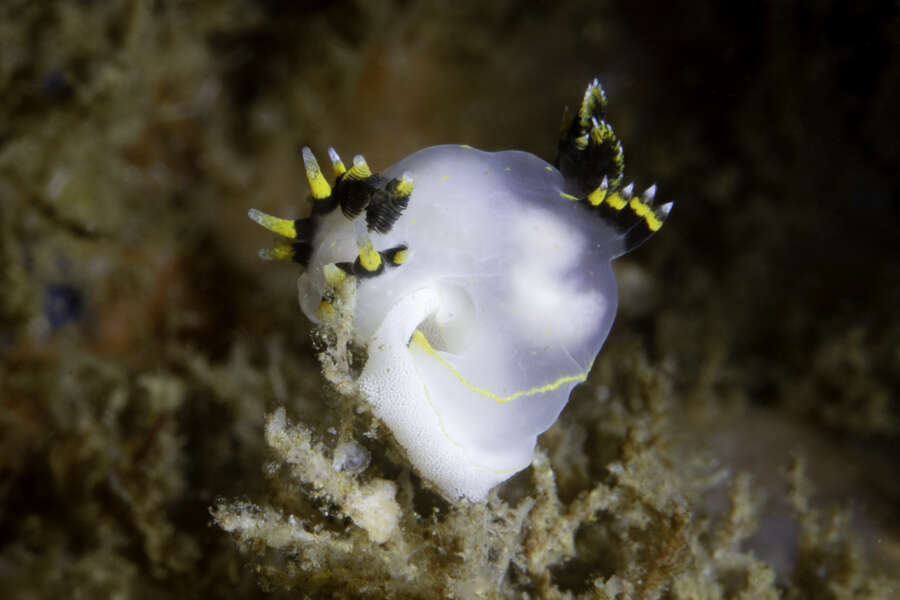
159 388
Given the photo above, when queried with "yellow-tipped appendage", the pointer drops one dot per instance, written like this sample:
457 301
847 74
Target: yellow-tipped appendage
619 198
334 275
369 257
597 196
400 257
336 162
282 227
317 183
643 208
360 169
405 187
281 251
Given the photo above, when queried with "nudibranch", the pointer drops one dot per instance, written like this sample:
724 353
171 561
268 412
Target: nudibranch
485 288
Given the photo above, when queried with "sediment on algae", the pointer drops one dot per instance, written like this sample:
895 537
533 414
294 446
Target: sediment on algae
380 531
735 438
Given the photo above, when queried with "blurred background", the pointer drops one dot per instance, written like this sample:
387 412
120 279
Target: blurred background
137 324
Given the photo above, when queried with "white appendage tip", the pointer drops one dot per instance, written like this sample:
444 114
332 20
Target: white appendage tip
309 159
257 216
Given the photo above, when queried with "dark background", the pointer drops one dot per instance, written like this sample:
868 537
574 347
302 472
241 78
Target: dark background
134 316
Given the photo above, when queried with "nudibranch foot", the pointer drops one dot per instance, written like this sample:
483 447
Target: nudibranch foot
483 288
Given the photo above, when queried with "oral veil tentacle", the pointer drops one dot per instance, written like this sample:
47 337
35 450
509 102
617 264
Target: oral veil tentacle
357 190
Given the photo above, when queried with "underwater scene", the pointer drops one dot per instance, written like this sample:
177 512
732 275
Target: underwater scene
427 299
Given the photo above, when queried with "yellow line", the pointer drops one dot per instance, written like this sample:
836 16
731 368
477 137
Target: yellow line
464 449
419 338
450 439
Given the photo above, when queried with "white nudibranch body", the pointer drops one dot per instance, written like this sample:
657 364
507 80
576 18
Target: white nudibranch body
485 288
476 340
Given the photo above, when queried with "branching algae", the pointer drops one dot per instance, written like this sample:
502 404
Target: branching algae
484 283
